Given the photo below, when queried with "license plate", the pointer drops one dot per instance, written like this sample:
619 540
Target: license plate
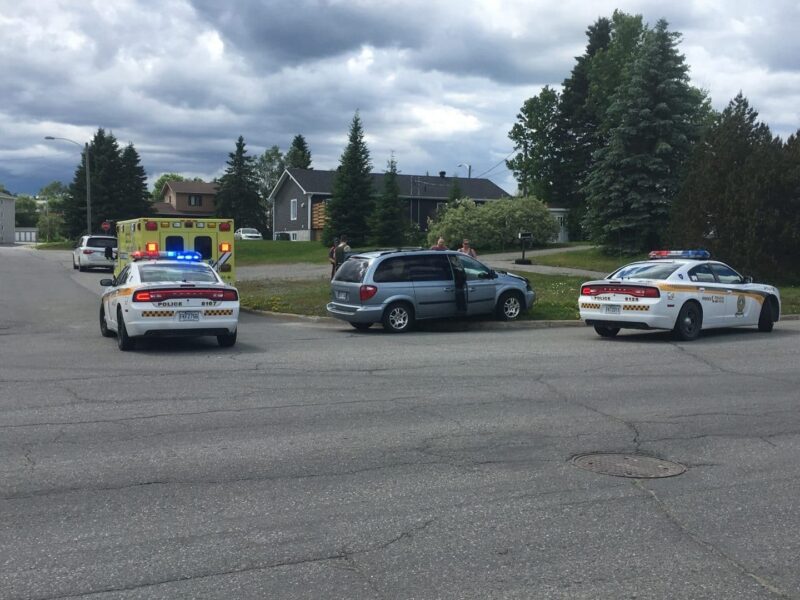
612 309
342 295
189 315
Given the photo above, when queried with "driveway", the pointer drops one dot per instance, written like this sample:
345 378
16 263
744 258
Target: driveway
503 260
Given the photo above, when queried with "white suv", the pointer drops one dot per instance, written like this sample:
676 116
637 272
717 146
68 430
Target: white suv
247 233
94 251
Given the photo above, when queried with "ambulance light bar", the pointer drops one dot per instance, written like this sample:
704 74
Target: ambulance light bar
694 254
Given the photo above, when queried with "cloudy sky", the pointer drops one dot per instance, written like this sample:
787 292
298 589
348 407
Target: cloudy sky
437 82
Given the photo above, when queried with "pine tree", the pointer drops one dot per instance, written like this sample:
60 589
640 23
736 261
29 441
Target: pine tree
351 201
237 196
455 193
134 198
298 156
637 174
387 225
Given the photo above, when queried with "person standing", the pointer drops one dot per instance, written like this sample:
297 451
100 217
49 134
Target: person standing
467 249
340 254
439 245
332 256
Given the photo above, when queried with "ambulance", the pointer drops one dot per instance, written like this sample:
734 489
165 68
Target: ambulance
211 238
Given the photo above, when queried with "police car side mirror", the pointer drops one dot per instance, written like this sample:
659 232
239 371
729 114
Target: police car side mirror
748 279
106 282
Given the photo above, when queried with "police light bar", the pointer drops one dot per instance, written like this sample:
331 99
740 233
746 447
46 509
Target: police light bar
188 255
695 254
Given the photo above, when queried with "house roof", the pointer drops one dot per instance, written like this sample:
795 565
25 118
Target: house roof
191 187
164 208
411 186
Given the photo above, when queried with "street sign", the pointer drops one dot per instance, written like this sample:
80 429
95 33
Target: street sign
105 226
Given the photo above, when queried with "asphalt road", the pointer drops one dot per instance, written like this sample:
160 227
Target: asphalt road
311 461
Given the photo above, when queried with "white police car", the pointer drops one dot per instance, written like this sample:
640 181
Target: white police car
681 290
167 294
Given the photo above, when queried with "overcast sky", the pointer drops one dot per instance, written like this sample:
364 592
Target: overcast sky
437 82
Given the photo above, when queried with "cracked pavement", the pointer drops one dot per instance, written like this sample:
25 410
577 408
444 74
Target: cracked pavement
311 461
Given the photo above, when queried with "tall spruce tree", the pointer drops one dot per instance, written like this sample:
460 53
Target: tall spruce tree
351 202
387 224
237 196
298 156
637 174
135 200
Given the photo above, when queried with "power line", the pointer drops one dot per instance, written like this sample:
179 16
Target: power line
497 165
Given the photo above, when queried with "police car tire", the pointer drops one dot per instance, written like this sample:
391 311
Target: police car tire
765 319
124 341
606 332
688 331
104 330
226 341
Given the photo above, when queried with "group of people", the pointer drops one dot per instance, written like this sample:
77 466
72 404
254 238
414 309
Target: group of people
465 247
338 251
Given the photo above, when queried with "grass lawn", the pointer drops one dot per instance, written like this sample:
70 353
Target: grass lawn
592 259
265 252
55 246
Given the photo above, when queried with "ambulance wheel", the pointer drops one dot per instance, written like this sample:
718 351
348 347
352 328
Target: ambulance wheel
124 341
228 340
607 332
104 330
689 322
766 320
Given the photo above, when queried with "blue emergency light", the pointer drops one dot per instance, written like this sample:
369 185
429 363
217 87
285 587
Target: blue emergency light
692 254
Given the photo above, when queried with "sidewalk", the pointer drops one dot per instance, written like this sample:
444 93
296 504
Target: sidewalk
503 260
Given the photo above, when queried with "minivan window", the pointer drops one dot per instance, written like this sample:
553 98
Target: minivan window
392 270
431 267
352 270
474 269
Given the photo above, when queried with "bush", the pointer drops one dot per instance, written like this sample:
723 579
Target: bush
494 225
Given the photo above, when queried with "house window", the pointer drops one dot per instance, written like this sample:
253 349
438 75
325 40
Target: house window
195 200
293 209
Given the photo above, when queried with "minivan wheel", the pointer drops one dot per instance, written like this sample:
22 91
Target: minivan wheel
361 326
398 318
509 306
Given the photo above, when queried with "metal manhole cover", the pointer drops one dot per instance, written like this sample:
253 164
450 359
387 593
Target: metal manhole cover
637 466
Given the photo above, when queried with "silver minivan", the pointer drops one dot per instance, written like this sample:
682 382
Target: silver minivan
398 287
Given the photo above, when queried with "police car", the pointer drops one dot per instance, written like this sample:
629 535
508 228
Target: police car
679 290
167 294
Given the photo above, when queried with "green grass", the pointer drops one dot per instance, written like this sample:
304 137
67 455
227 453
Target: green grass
790 300
267 252
65 245
592 259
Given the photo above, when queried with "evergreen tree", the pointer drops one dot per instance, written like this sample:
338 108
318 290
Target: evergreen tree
298 156
637 175
534 137
387 224
455 193
134 199
237 196
351 201
735 196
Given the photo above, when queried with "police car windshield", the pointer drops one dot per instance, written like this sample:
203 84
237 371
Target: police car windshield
645 270
190 272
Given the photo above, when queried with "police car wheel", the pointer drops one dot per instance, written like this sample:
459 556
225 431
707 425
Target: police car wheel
104 330
689 322
765 320
606 332
124 341
226 341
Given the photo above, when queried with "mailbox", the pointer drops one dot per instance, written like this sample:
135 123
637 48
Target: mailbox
525 235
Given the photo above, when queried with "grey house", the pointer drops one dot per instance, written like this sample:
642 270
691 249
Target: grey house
7 213
300 195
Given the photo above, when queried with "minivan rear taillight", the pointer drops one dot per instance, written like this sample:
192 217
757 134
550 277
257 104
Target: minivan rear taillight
365 292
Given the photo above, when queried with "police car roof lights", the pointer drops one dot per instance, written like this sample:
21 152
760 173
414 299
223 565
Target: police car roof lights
188 256
692 254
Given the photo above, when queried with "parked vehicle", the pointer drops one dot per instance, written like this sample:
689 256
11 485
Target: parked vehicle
94 251
247 233
399 287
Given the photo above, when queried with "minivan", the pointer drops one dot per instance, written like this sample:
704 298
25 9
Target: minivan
398 287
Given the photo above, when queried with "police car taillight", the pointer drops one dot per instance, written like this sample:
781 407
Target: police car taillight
365 292
694 254
626 290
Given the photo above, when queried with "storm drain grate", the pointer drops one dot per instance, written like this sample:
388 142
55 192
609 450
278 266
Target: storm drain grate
637 466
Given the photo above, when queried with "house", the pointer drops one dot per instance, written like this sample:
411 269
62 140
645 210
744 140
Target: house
187 199
7 217
300 195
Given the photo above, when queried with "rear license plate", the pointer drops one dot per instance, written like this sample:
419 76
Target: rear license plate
189 315
342 295
612 309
